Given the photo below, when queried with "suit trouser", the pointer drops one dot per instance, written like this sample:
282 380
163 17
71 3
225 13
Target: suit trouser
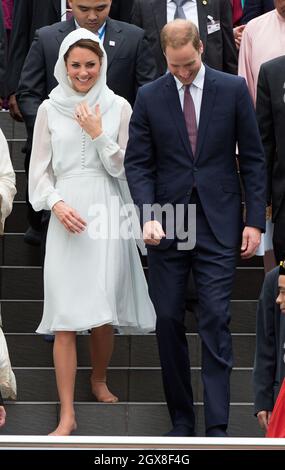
213 267
279 234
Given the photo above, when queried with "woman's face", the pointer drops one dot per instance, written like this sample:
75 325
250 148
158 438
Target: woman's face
83 68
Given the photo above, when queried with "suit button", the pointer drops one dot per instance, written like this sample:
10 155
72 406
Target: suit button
188 193
195 168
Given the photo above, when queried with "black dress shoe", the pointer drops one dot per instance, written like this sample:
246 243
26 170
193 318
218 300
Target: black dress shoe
33 237
49 338
217 431
180 431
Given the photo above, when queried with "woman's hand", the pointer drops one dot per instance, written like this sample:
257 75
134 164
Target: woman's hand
89 121
69 217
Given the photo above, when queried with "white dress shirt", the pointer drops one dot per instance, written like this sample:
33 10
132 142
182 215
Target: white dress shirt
100 33
190 10
196 90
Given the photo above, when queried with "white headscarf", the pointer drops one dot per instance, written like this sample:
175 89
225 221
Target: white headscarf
65 99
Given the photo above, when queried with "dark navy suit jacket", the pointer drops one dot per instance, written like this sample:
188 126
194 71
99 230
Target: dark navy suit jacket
159 162
254 8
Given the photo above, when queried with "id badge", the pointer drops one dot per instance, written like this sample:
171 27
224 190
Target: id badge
213 26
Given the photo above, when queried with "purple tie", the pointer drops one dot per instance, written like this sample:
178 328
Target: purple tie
190 118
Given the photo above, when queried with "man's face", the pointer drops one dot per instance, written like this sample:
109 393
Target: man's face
184 63
90 14
281 297
280 7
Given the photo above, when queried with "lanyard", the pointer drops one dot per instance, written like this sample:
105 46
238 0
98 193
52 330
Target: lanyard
102 32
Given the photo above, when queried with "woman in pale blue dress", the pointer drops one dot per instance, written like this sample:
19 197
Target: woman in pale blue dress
93 279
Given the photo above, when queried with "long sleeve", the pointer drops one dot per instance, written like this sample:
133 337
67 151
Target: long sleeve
265 357
112 153
7 181
230 61
266 127
245 63
19 42
42 192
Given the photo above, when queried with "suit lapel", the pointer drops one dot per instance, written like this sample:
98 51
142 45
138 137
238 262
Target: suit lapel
64 29
160 13
206 113
203 12
173 102
113 39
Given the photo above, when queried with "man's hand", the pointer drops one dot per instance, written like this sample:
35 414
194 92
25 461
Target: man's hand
238 35
14 109
263 419
69 217
153 233
251 237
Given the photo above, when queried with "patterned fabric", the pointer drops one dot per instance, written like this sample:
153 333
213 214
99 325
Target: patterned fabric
190 118
179 9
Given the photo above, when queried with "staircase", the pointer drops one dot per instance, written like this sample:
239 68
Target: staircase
134 373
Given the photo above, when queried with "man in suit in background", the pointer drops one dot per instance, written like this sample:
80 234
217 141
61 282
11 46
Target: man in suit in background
130 61
270 111
254 8
213 19
269 364
28 16
121 10
181 150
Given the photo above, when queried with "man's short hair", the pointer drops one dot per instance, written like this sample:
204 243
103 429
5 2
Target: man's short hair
178 33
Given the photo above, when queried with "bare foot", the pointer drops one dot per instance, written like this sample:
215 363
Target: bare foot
101 392
65 427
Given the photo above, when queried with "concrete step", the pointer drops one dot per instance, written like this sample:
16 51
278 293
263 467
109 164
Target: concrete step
130 351
25 283
17 221
133 419
129 384
10 128
20 316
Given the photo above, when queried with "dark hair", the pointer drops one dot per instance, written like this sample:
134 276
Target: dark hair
178 33
86 44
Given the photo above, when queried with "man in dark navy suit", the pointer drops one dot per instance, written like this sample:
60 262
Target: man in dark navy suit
254 8
182 150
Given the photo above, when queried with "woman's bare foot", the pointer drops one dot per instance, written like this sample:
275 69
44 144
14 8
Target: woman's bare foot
65 427
101 391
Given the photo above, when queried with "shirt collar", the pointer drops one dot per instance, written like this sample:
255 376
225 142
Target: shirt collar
171 1
99 30
198 81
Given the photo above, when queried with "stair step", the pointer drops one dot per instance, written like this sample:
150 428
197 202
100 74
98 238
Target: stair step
16 153
24 316
25 283
21 283
130 351
17 221
18 253
21 185
130 384
133 419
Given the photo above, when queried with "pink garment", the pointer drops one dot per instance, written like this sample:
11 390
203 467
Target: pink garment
263 39
7 7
